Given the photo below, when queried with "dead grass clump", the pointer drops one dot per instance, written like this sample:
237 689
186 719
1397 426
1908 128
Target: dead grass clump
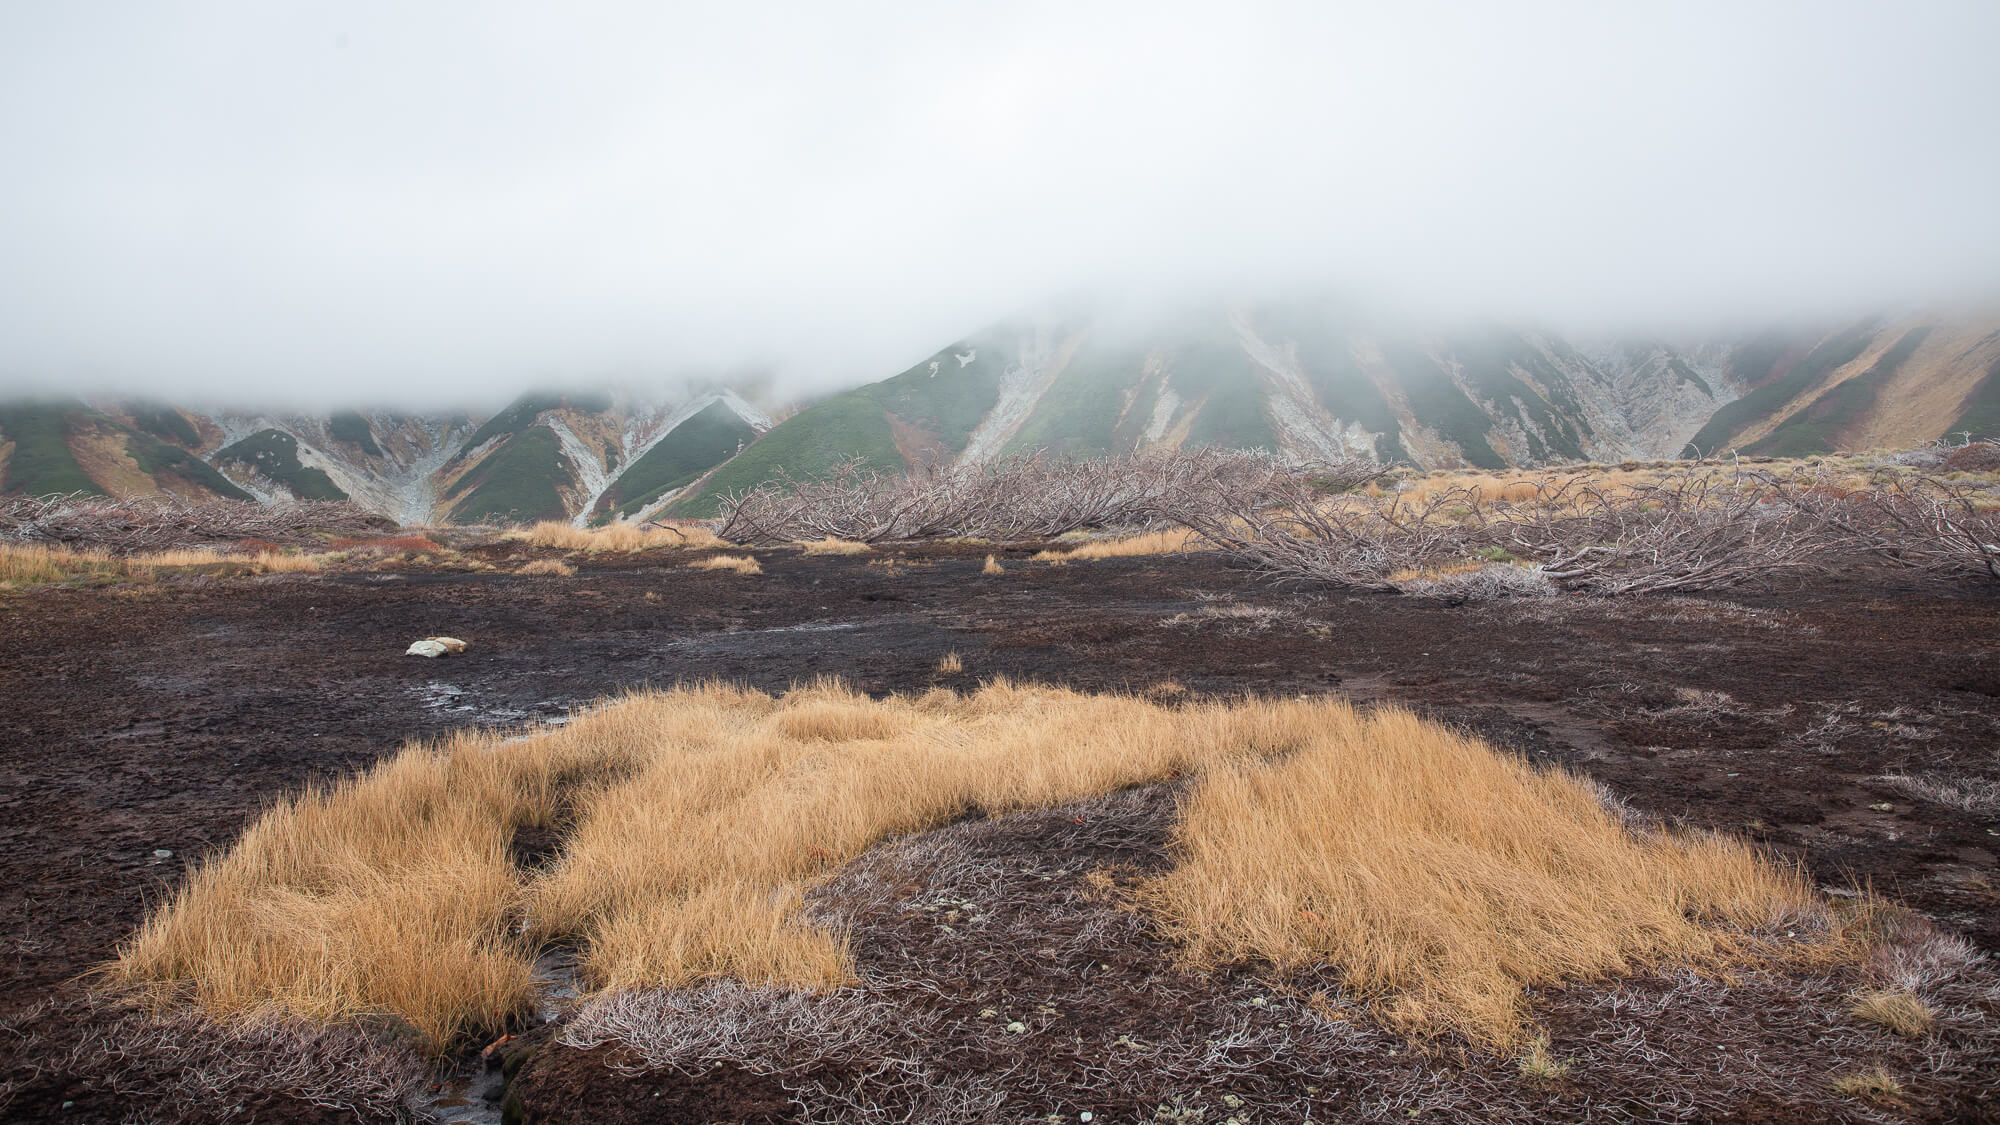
741 564
1443 878
1539 1064
386 893
38 564
616 536
951 665
1905 1014
1975 795
992 566
390 544
33 564
555 567
831 546
1172 542
1419 863
1871 1085
275 562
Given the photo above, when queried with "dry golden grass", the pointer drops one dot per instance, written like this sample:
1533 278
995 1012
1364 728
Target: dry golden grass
1900 1012
951 665
274 562
616 536
35 564
555 567
1442 878
1871 1085
695 819
1172 542
992 566
832 546
741 564
1539 1064
1443 570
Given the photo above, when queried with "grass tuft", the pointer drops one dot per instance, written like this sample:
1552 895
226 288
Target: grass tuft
1871 1085
1172 542
1538 1064
741 564
1419 863
555 567
992 566
1442 878
1900 1012
616 537
951 665
833 546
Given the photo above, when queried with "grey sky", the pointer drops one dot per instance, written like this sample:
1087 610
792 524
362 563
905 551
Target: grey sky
448 201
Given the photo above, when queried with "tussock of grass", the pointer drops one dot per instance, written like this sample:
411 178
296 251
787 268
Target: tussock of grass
1443 878
1421 864
832 546
1539 1064
555 567
38 564
992 566
741 564
951 665
1900 1012
1871 1085
35 565
1172 542
616 537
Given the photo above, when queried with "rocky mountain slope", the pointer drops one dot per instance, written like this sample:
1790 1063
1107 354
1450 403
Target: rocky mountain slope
1309 383
1299 380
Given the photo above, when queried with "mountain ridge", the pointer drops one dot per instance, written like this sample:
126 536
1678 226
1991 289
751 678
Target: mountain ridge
1297 380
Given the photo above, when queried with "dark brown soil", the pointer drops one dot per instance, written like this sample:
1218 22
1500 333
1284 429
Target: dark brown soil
163 717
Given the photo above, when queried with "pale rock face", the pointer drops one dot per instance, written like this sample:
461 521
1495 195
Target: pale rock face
1664 394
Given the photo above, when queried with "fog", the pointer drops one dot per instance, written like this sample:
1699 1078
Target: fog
449 202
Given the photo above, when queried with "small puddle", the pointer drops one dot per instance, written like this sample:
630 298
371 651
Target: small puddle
459 702
475 1095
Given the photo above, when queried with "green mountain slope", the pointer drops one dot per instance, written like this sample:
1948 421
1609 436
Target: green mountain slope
517 481
274 456
929 410
713 435
62 445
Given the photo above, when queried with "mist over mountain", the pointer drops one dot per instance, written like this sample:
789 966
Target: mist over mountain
1305 380
436 209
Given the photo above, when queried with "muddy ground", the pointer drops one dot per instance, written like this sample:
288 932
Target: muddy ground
159 718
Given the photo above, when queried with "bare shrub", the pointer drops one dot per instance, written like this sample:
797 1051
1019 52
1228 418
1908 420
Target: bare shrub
155 524
1694 529
1030 496
1290 526
1920 522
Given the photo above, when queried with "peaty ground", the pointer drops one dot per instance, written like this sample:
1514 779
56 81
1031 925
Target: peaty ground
163 717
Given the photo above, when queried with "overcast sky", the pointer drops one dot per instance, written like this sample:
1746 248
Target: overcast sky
433 202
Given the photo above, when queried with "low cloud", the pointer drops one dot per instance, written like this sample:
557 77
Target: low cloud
446 203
